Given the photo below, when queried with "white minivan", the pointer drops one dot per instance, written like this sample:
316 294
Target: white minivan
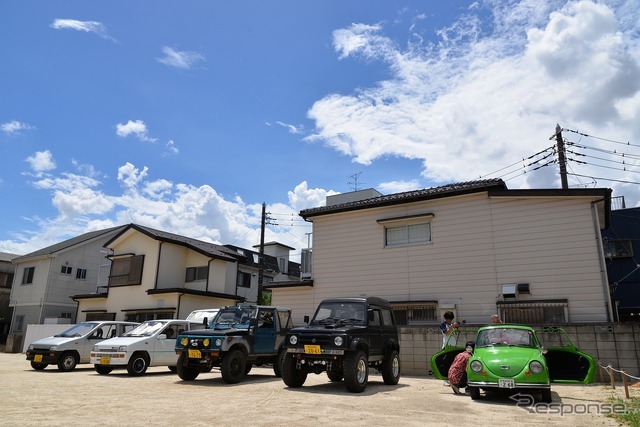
73 346
152 343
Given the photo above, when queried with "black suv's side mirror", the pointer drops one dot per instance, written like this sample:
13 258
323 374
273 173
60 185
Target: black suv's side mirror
306 319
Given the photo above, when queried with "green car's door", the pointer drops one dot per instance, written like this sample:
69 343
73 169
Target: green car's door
567 364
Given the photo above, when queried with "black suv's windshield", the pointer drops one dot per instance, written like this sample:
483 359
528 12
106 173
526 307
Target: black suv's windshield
340 312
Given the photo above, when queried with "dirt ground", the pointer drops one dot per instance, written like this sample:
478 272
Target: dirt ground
84 398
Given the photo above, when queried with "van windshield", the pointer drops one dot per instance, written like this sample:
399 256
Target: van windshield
78 330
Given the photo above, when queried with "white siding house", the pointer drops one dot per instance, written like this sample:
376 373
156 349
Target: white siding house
476 248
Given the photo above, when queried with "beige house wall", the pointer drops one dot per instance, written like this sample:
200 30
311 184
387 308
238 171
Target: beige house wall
478 244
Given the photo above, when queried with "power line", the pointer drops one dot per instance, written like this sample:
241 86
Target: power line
602 139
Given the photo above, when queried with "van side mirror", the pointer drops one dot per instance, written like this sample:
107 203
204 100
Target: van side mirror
306 319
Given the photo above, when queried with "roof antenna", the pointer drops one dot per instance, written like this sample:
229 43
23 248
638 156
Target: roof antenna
355 180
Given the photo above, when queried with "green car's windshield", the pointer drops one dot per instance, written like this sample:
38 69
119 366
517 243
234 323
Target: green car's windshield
505 336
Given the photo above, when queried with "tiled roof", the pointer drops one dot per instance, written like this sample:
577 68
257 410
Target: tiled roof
205 248
448 190
49 250
5 256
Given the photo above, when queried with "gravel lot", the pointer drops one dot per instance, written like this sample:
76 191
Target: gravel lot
83 398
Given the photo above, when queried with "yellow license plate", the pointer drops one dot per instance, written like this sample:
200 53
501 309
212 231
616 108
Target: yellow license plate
312 349
105 360
37 358
195 354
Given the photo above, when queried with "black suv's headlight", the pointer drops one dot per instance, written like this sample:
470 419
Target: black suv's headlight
338 341
293 340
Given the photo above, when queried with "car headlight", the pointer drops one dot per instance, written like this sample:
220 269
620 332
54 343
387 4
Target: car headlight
184 341
218 342
293 340
53 348
206 342
122 349
31 347
338 341
476 366
535 367
95 349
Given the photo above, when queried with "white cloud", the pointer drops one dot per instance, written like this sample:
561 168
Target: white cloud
391 187
41 161
86 26
481 98
136 128
130 176
293 129
183 60
14 127
170 148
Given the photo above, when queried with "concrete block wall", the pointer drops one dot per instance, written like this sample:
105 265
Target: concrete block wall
615 344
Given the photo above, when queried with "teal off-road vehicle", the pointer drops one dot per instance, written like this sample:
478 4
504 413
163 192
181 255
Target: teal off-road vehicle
238 338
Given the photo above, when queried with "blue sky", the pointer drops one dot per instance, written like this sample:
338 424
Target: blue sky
186 116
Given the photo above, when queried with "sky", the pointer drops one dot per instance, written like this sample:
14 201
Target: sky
188 116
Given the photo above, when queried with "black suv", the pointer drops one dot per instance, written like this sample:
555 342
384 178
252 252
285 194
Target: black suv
238 338
345 337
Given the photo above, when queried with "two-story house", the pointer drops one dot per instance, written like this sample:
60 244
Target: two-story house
46 279
476 248
156 274
7 270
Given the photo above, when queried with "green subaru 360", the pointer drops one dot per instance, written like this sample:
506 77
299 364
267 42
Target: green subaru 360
513 358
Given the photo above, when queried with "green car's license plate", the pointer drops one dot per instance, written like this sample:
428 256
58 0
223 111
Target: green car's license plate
506 383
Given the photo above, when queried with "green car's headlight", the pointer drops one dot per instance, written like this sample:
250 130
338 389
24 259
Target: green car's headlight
476 366
535 367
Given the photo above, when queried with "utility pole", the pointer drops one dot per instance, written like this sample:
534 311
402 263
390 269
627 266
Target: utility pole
561 159
261 256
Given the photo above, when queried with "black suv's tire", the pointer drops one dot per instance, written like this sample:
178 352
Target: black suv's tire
291 376
138 364
38 366
67 362
278 361
185 372
356 371
335 374
391 369
102 370
233 367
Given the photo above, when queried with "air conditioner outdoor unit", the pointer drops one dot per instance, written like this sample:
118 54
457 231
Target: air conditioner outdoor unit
509 290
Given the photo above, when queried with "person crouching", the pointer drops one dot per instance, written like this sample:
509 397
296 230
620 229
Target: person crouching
458 370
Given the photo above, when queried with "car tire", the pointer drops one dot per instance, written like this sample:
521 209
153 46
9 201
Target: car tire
102 370
546 395
247 368
39 366
474 392
67 362
335 375
391 369
233 366
356 371
277 363
185 372
173 369
292 376
138 364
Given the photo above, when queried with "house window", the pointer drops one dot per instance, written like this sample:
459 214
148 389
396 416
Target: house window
535 313
65 315
244 280
6 280
282 265
81 273
18 323
618 249
142 316
196 273
65 269
126 271
410 234
27 275
415 314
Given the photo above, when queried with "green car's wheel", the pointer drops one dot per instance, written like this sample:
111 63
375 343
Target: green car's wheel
474 392
546 395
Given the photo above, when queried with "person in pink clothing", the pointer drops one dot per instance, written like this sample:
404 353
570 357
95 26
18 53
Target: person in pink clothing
458 370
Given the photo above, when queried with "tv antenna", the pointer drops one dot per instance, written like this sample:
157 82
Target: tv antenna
354 177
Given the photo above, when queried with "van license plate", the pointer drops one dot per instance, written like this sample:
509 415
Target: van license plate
37 358
312 349
105 360
506 383
195 354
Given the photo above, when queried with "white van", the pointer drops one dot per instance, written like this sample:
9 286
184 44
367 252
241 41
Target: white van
152 343
73 346
206 313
